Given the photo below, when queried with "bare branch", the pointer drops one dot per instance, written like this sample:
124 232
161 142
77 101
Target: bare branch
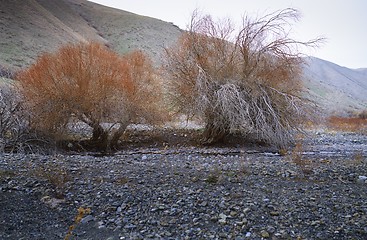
250 85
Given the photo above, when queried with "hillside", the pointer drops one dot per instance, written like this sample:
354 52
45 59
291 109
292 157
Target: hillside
337 89
30 27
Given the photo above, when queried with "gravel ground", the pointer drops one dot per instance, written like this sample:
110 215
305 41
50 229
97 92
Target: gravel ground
317 191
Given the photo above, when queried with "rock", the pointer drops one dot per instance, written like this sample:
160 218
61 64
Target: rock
362 179
270 229
246 210
222 218
87 219
274 213
233 213
264 234
130 226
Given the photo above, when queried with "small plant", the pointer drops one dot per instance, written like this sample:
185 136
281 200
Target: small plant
358 158
283 152
303 164
363 114
54 174
212 178
81 212
4 174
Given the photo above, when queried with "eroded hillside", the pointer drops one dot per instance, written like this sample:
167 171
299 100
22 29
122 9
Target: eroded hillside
31 27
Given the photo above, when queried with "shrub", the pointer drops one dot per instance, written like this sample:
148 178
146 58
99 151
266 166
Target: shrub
13 118
88 83
6 72
347 124
363 114
247 81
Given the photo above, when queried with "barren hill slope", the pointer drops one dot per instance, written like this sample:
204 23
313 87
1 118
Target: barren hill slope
125 31
28 29
31 27
337 89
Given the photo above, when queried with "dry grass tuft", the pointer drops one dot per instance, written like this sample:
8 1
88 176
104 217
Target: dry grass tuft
304 164
81 212
348 124
55 174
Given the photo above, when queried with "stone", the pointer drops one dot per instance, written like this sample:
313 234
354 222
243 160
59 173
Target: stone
264 234
87 219
274 213
246 210
222 218
233 213
362 179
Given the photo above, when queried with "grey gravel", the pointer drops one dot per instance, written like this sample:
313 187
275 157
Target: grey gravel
190 193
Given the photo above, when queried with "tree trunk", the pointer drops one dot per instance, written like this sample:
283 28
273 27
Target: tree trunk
100 137
104 140
117 135
214 133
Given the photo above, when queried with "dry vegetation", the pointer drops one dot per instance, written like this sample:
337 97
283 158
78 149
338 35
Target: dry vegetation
247 81
90 84
13 118
349 124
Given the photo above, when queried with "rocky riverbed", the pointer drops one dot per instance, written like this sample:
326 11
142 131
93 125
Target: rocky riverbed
316 191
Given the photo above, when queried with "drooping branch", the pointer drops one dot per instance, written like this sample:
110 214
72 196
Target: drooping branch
247 82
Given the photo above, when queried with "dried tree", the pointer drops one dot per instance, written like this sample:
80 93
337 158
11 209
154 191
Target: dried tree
89 83
246 81
13 118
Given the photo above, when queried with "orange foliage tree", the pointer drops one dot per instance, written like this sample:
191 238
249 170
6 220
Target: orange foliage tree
89 83
246 81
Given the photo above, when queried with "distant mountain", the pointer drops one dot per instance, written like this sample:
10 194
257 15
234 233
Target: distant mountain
337 89
29 28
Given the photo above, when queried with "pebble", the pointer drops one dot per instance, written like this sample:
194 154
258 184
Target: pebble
87 219
362 179
264 234
222 218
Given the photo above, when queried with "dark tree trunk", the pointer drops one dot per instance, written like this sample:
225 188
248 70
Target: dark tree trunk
213 133
113 142
99 138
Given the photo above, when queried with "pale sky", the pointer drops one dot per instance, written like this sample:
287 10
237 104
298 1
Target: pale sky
342 22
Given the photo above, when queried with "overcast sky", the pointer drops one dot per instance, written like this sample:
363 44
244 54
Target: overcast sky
341 22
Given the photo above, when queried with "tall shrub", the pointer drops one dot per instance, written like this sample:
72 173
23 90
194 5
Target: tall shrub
13 118
246 81
89 83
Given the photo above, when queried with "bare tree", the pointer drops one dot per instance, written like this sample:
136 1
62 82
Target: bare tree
6 72
89 83
13 118
246 81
